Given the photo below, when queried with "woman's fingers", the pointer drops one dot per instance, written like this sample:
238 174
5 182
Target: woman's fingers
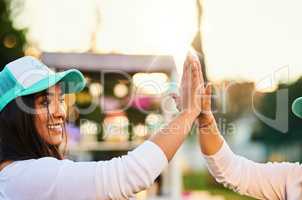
209 89
186 69
206 100
198 65
197 73
192 88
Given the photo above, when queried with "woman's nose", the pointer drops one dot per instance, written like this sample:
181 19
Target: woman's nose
59 111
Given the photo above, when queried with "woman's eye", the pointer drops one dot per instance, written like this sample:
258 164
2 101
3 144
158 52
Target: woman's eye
45 102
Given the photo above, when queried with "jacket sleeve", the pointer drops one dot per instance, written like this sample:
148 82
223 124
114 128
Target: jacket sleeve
119 178
258 180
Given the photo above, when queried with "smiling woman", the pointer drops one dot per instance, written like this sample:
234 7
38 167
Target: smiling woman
51 115
32 112
32 115
30 136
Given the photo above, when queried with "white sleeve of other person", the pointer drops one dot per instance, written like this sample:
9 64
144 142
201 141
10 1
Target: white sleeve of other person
49 178
273 181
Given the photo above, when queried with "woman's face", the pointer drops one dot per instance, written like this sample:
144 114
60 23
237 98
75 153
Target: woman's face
51 115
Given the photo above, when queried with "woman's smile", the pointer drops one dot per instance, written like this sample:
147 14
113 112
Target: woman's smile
51 115
57 128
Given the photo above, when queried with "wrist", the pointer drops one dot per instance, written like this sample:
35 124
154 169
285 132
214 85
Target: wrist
205 119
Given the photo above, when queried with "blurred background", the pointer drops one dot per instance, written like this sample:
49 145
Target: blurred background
131 53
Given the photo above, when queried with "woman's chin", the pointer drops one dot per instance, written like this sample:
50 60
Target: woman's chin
56 138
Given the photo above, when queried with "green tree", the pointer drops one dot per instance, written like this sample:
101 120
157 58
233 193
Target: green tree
12 40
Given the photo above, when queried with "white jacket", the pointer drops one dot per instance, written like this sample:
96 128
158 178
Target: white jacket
270 181
51 179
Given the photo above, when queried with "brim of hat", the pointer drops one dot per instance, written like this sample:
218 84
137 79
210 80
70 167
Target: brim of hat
297 107
71 81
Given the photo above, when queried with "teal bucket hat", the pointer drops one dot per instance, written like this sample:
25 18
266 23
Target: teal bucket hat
297 107
27 75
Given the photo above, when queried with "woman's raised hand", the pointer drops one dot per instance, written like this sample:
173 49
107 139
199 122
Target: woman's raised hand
191 86
170 138
194 96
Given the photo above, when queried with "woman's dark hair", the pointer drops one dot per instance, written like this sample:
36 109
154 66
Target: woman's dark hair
19 139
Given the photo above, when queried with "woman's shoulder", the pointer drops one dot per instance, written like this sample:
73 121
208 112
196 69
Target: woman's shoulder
32 170
35 166
28 175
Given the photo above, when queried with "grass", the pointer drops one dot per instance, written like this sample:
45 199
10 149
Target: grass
203 181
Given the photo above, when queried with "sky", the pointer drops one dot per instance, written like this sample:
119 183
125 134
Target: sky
253 39
242 39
